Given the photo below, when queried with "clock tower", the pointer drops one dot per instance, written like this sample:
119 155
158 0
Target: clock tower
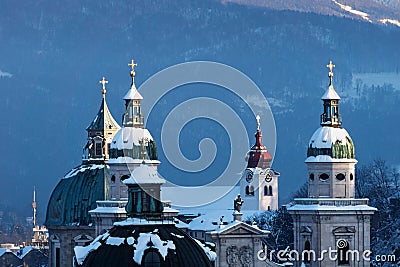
259 182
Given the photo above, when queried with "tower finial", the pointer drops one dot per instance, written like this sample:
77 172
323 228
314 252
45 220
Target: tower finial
133 73
330 66
258 122
34 206
103 82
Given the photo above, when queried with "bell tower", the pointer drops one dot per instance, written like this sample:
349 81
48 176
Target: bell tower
331 219
101 131
259 182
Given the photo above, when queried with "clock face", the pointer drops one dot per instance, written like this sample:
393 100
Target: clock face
248 174
268 177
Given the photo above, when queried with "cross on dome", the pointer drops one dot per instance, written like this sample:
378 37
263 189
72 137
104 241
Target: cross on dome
133 65
330 66
103 82
258 122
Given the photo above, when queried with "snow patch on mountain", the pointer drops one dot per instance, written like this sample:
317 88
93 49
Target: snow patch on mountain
391 21
353 11
4 74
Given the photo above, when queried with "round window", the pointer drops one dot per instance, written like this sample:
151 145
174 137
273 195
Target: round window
340 176
324 177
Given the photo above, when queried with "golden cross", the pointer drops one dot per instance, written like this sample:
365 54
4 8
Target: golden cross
330 66
132 65
103 82
258 122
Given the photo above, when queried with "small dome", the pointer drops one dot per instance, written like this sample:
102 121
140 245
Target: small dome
258 156
142 243
331 141
127 143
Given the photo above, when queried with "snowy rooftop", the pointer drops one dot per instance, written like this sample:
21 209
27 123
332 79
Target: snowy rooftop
144 174
331 204
330 94
133 94
326 158
127 137
129 160
325 136
210 220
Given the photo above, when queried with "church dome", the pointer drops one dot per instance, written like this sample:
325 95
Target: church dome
331 141
76 194
137 242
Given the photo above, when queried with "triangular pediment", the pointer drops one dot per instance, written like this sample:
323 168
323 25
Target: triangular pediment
344 230
241 228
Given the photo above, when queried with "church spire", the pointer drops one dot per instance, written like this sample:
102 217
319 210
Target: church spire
133 116
331 116
258 155
100 131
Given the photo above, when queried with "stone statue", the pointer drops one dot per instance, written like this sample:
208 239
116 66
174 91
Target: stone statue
237 203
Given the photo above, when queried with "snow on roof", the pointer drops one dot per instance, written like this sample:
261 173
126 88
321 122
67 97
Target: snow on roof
151 240
83 168
109 210
212 256
133 94
180 224
127 137
326 158
126 160
137 221
210 220
4 250
325 136
115 241
21 253
316 207
81 252
330 94
144 174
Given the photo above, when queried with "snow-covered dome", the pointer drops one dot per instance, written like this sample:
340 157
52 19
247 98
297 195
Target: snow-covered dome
331 141
128 143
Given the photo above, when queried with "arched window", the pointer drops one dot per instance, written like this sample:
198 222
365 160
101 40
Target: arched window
251 190
247 190
113 179
351 177
270 190
312 176
306 254
342 249
151 259
266 191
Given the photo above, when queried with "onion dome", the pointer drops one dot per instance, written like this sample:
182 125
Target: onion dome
330 141
333 142
76 194
258 156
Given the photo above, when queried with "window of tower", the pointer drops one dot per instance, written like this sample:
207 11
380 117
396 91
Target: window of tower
324 177
251 190
312 176
124 177
340 176
270 190
247 190
99 149
113 179
351 177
